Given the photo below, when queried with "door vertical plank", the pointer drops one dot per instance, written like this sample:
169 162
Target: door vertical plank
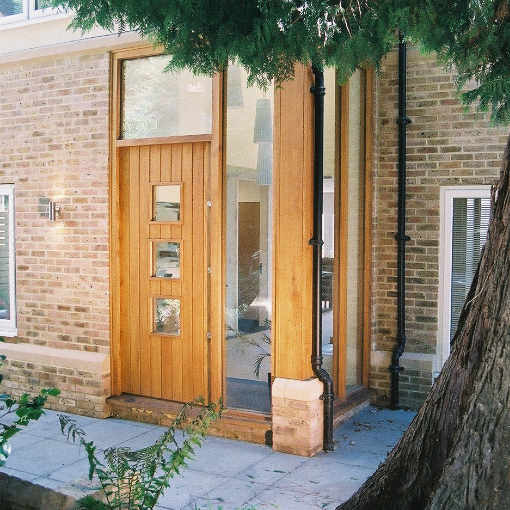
155 163
206 264
166 163
134 268
188 273
198 337
176 173
171 351
176 230
166 176
154 177
124 283
145 294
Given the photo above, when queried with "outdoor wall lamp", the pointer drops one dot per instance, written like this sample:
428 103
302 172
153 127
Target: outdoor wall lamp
49 209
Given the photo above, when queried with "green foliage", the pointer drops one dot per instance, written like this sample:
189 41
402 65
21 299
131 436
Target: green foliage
23 410
89 503
264 349
267 37
135 480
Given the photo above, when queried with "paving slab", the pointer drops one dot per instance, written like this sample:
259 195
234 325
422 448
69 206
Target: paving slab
226 474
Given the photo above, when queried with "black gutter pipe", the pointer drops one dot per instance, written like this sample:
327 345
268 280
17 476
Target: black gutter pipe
318 90
401 236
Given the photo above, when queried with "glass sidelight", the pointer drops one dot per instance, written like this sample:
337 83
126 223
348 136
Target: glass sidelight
329 299
353 228
343 252
249 166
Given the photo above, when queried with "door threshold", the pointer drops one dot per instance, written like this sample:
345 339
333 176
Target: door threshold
234 424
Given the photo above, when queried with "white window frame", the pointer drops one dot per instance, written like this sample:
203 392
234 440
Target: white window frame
15 18
39 13
31 15
447 194
8 327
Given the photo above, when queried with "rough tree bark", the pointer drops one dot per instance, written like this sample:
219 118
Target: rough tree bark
456 452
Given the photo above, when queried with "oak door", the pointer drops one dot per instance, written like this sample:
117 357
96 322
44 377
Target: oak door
163 337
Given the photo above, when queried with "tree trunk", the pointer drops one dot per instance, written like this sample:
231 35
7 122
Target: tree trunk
456 452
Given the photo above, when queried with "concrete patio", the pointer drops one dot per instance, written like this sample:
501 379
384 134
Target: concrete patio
225 474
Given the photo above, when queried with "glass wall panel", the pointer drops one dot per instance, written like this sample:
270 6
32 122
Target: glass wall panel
329 216
355 227
158 103
249 165
337 258
167 316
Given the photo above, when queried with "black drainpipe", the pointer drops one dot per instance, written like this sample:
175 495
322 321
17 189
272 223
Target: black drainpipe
401 236
318 90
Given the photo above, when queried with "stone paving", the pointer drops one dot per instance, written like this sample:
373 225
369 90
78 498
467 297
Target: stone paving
226 474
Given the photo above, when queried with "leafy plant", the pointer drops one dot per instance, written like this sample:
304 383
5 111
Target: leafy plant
25 408
135 479
264 350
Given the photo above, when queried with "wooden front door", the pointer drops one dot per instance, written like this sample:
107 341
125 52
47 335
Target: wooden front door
163 273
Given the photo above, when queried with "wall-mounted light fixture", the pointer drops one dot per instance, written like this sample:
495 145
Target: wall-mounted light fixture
49 209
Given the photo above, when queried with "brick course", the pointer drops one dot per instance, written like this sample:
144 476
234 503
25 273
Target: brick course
447 145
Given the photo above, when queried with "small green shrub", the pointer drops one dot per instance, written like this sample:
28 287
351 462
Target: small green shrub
25 408
134 480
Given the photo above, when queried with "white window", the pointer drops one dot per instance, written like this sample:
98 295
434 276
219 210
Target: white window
38 8
13 10
7 262
465 215
19 12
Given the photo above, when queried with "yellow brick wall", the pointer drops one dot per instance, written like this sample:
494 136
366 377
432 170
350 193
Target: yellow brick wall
446 146
54 143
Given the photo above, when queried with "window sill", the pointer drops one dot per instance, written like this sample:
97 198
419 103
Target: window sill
6 25
8 332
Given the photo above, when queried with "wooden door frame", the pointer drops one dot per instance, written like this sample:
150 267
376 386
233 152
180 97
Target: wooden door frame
342 207
213 218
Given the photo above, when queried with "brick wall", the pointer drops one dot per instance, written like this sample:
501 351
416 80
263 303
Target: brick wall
54 143
446 146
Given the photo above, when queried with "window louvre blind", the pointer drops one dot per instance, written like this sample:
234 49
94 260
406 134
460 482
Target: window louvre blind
471 218
5 312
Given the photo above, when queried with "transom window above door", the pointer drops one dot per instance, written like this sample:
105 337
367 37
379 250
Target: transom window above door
156 103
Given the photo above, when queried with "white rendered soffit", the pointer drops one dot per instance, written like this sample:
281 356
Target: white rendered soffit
51 37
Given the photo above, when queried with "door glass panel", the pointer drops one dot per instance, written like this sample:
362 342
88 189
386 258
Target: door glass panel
158 103
166 202
166 259
249 157
167 316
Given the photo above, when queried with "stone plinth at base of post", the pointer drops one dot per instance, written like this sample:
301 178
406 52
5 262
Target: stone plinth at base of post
297 416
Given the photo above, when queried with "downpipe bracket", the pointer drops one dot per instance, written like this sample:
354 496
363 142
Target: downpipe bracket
404 122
